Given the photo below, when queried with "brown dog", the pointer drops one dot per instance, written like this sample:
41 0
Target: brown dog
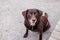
34 21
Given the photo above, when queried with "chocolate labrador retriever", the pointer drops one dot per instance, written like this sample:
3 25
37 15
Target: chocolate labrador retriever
34 21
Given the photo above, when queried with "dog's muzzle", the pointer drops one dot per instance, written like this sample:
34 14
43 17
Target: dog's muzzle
33 21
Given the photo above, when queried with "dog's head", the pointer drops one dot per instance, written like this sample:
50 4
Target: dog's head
32 15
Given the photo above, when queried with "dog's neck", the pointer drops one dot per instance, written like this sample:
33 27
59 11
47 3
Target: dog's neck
31 27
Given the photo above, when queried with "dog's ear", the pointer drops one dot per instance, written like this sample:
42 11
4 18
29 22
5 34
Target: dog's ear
24 13
40 12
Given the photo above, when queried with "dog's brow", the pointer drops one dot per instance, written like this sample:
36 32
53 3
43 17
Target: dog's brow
34 10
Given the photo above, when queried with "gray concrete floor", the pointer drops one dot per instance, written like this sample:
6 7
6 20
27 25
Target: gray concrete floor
56 32
11 19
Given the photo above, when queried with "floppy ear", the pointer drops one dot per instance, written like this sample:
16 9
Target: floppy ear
24 14
40 12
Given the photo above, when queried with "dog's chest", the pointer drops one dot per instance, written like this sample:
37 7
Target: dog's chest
35 28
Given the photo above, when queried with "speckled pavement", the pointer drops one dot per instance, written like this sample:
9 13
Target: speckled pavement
56 32
12 21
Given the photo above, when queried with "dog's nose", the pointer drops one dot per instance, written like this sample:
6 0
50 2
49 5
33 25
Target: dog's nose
34 20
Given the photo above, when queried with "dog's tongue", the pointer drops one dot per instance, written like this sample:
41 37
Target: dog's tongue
32 24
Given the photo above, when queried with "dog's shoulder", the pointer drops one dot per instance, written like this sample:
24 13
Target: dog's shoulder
43 19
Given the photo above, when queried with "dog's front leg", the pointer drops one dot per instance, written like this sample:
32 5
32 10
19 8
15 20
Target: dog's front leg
40 31
26 34
40 36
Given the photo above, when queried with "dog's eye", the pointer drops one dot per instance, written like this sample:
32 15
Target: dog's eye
34 13
29 15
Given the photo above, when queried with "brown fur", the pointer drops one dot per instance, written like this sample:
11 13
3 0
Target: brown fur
41 26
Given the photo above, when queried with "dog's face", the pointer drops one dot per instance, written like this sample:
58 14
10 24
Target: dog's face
32 15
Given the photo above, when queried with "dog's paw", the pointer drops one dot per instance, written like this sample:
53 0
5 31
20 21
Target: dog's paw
25 36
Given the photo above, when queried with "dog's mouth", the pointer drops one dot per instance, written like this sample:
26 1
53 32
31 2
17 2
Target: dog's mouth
32 22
